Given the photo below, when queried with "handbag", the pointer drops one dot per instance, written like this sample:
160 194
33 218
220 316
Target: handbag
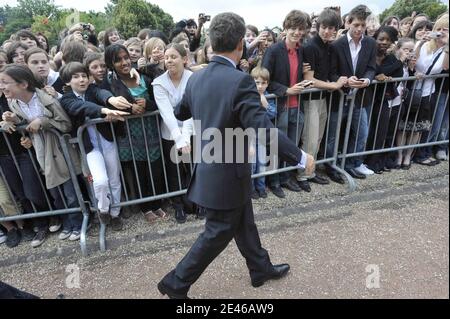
413 97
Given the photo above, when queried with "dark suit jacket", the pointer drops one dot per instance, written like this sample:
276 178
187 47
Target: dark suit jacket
80 111
276 60
222 97
341 65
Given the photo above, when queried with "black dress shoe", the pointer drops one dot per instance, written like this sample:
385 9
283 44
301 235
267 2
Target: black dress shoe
336 177
319 180
164 290
291 186
278 272
201 213
355 174
278 192
262 193
305 186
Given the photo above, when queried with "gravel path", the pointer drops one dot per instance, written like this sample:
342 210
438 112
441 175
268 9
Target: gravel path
389 239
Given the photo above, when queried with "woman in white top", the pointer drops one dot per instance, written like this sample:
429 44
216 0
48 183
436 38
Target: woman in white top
435 51
176 135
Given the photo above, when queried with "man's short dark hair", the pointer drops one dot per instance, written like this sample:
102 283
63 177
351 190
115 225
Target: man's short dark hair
328 18
296 19
191 23
70 69
360 12
225 32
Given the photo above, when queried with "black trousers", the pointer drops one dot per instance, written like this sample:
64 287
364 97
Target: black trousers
220 228
178 175
382 116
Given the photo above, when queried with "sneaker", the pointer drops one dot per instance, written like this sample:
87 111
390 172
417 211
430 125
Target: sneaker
2 237
39 238
363 169
55 224
116 223
27 234
441 155
13 238
75 235
255 195
65 234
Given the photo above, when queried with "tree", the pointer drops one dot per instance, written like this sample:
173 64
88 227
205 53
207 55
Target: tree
130 16
37 7
404 8
12 20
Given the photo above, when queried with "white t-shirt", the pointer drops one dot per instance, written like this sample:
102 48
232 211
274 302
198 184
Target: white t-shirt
423 64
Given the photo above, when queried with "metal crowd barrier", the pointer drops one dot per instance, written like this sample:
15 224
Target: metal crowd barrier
144 152
52 211
404 112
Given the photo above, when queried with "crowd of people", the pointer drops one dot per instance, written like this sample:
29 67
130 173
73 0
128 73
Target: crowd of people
90 75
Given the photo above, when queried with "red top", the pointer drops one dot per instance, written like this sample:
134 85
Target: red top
293 66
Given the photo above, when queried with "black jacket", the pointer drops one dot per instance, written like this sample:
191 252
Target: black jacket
341 65
276 61
222 97
13 139
80 111
392 67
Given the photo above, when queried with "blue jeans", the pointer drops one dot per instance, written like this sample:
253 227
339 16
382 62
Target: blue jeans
442 134
291 122
71 222
258 166
359 131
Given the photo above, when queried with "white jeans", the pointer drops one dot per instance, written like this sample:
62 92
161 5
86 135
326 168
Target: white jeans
105 171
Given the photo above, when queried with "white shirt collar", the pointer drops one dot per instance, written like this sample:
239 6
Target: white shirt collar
79 95
349 38
228 59
32 101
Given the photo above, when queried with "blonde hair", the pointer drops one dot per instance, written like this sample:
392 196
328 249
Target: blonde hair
441 23
260 72
132 42
151 44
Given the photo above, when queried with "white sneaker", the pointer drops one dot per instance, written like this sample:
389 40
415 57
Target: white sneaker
2 237
64 234
75 235
441 155
54 225
362 169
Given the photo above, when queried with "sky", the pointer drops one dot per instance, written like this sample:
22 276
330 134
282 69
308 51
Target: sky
261 13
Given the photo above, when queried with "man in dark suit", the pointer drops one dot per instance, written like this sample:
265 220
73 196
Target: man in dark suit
284 60
354 57
224 98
